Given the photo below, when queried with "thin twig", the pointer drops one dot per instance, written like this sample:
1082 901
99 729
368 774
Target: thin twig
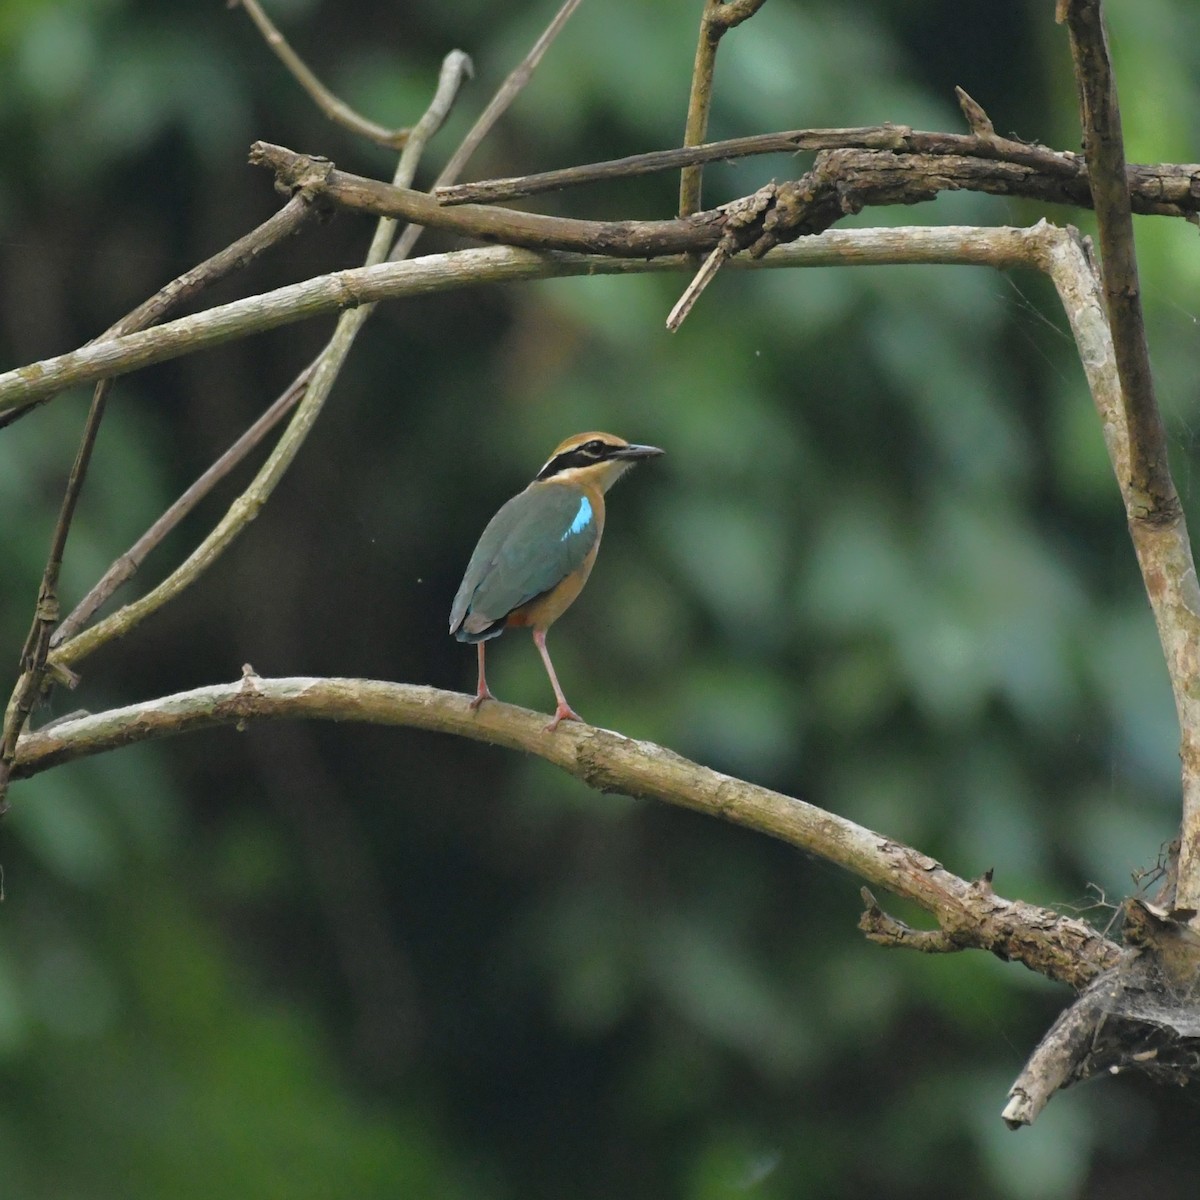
46 611
1161 189
514 83
34 655
1104 148
333 107
1062 948
751 223
703 277
281 224
324 372
717 18
125 567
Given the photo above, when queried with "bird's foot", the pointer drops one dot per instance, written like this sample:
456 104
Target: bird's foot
480 696
564 712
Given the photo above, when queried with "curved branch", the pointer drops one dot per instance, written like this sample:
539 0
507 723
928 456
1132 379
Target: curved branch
335 109
1063 948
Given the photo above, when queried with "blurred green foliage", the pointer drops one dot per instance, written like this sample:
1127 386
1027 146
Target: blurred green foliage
883 567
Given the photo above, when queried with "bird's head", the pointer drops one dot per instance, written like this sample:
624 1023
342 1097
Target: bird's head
596 459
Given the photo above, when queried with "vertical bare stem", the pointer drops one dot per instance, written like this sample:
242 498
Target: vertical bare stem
1104 148
718 17
1156 516
1164 551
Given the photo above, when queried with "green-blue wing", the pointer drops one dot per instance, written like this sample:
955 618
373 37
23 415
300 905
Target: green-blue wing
533 543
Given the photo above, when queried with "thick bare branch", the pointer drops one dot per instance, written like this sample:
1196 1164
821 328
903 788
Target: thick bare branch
1063 948
840 182
1000 247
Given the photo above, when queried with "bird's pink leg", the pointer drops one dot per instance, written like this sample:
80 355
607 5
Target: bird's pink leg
482 692
564 712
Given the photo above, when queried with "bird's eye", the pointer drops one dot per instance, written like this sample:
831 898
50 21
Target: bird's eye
595 448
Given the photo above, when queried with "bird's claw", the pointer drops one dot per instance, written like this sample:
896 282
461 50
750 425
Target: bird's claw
480 697
562 713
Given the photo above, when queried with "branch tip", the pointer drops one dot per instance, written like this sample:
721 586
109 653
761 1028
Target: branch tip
977 120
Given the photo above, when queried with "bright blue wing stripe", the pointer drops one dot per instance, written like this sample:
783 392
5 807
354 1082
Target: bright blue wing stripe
582 519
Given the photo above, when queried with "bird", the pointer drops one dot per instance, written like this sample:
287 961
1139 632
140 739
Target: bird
536 553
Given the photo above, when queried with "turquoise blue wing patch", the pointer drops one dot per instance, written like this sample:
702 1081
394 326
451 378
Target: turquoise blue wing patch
532 544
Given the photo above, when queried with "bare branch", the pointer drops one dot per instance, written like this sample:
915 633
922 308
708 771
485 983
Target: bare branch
1141 1014
1156 516
34 665
885 930
746 224
1056 1058
1063 948
718 17
703 277
1104 148
840 182
1001 247
335 109
317 383
241 253
514 83
1163 550
46 611
1162 189
125 567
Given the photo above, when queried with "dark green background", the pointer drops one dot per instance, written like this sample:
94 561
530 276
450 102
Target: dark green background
883 567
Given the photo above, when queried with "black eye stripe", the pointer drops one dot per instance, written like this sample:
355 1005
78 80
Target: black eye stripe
580 456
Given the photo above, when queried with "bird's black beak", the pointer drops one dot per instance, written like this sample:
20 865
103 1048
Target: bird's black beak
636 452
